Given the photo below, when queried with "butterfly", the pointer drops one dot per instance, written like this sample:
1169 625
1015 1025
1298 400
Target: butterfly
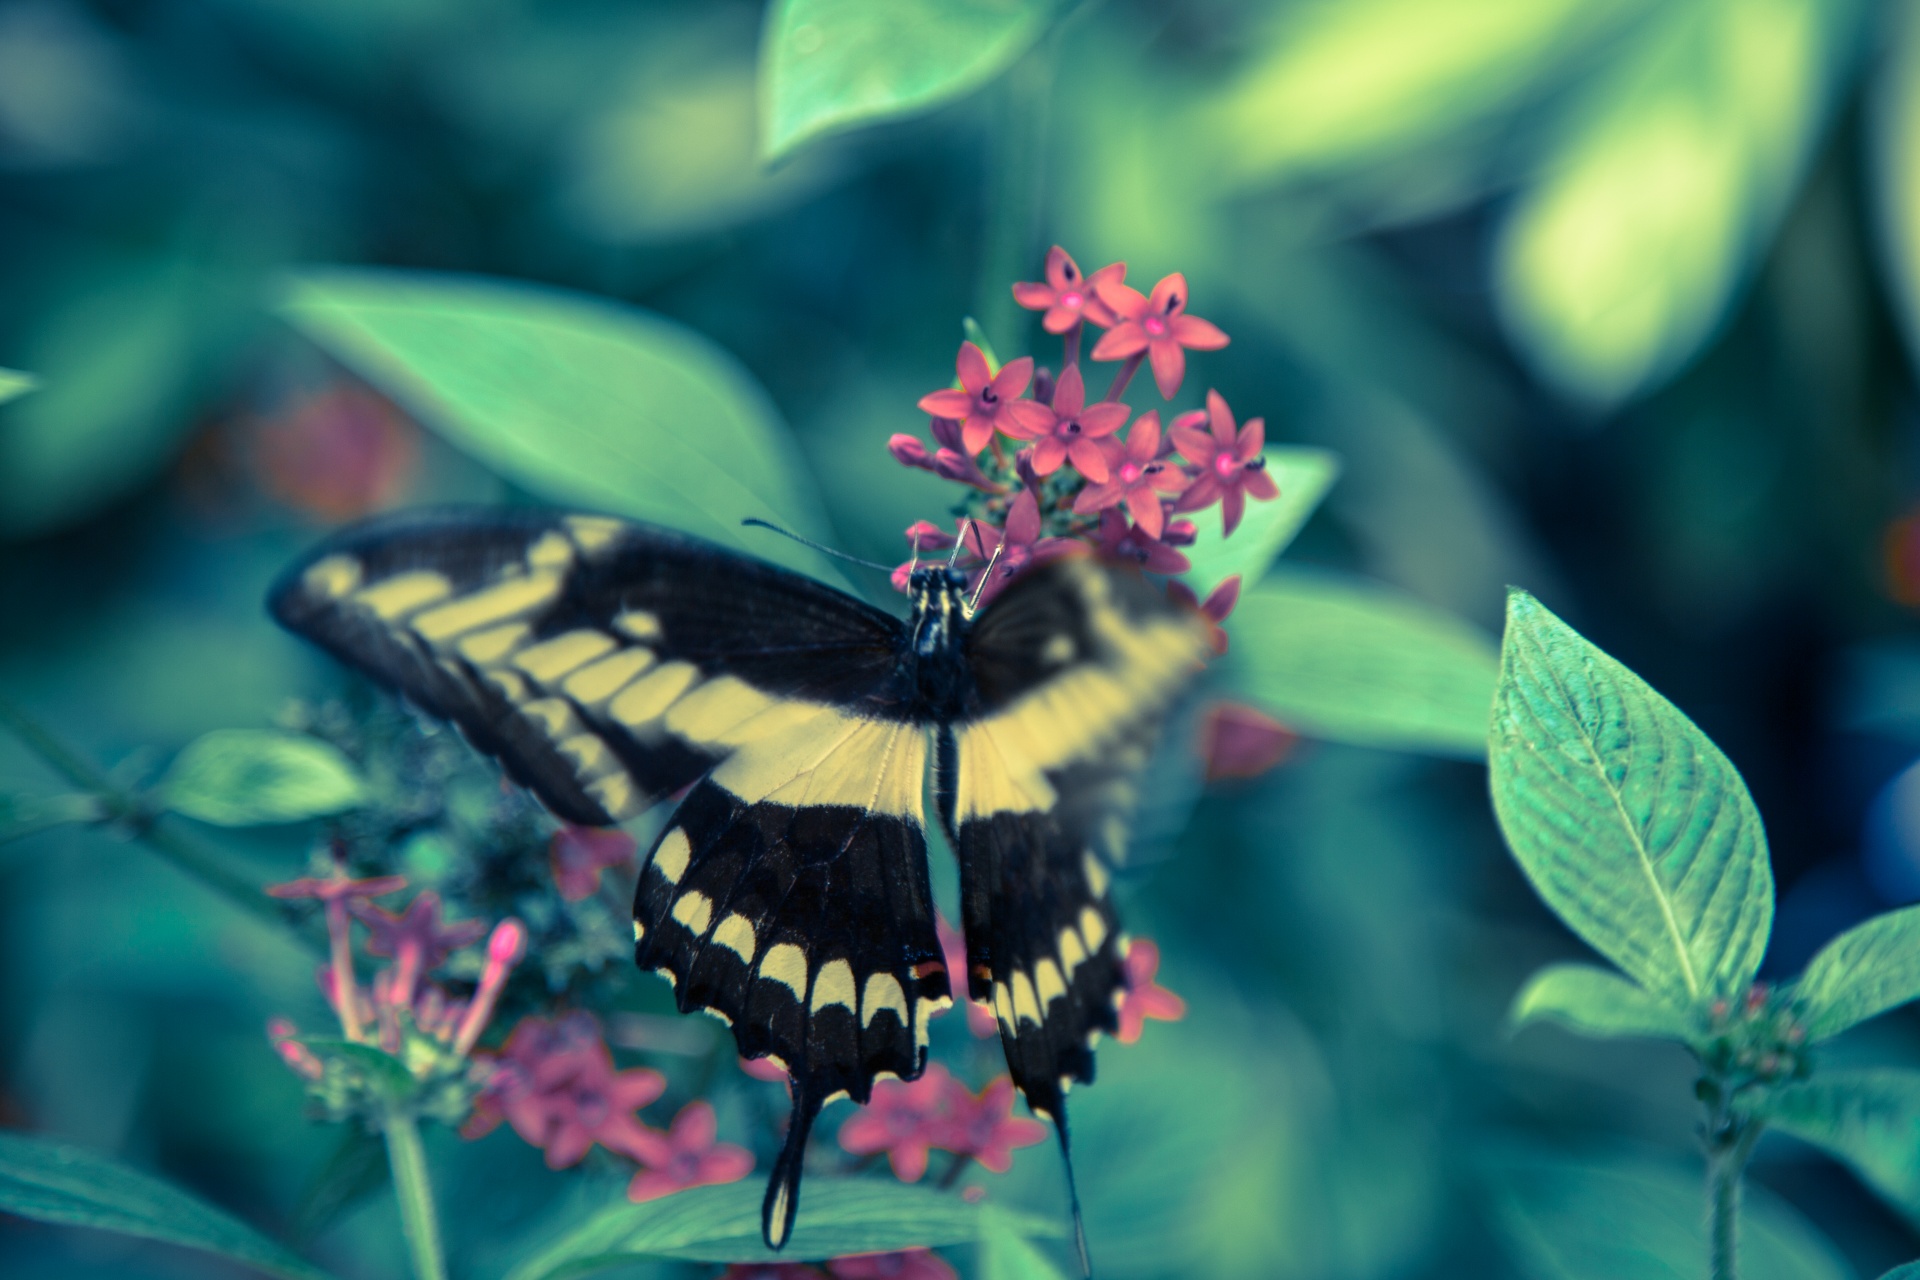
609 664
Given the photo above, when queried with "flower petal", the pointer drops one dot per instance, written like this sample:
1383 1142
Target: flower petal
1143 442
1023 520
1062 271
1069 393
1025 419
1118 343
1059 319
1012 379
1097 497
1233 505
1259 482
1169 297
1048 454
947 403
1196 447
1128 303
1144 505
1253 438
976 432
695 1128
1201 494
1089 459
1103 419
971 364
1169 365
1196 334
1034 297
909 1161
651 1184
725 1163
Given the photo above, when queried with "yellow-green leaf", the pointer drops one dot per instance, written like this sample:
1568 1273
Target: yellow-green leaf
1597 1002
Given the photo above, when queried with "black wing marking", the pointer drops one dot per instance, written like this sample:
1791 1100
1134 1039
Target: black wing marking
790 897
1077 665
605 663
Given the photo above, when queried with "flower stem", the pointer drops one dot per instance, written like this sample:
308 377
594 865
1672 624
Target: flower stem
1018 163
1729 1138
125 808
415 1193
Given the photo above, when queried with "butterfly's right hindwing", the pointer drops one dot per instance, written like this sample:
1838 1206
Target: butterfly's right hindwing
606 664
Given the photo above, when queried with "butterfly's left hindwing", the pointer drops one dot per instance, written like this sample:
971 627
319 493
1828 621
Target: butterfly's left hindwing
1076 665
606 664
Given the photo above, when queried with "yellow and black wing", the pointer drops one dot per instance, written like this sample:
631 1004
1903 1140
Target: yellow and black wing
1076 666
606 664
609 664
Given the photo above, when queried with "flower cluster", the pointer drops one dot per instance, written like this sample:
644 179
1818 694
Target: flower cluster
906 1264
1758 1039
425 1033
908 1119
1049 471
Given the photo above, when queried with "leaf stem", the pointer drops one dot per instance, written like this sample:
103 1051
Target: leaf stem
1018 163
139 820
1729 1138
414 1192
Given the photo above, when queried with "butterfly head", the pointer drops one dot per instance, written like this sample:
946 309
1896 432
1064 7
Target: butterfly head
937 595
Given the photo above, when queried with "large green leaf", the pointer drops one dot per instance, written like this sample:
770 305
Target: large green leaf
1905 1271
1304 476
1598 1002
52 1182
1346 81
1354 661
1630 823
581 400
1638 1220
1869 969
1006 1254
833 64
243 777
14 384
838 1216
1619 264
1870 1119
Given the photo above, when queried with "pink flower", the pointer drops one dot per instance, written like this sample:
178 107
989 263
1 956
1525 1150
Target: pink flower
988 402
301 1060
1138 480
953 944
985 1128
415 939
579 854
1069 297
1239 742
1145 998
687 1155
1118 540
340 892
1230 465
1010 550
772 1271
1157 325
1218 605
903 1119
337 887
556 1085
908 1264
1076 430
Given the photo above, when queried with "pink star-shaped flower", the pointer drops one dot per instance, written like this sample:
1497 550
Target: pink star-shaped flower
953 944
1158 325
988 402
772 1271
1077 430
338 887
903 1119
580 854
908 1264
415 939
1068 297
1119 540
1230 464
985 1127
1145 998
1017 546
1138 479
555 1083
687 1155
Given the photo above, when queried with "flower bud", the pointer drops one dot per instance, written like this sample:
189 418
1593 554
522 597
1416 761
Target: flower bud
908 451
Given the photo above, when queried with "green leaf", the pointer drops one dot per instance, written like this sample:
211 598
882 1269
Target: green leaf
1342 83
1869 969
1638 1220
52 1182
1354 661
1869 1119
357 1168
1620 263
838 1216
1304 476
1905 1271
1598 1002
828 65
1895 133
244 777
1006 1254
1630 823
580 400
14 384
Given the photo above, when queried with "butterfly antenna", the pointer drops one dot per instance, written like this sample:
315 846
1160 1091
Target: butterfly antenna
757 523
913 565
985 577
1073 1196
960 542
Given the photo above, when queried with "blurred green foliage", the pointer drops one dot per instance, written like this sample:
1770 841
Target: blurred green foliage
1611 299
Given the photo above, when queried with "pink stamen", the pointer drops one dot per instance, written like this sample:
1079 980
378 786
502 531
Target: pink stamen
1223 465
504 949
1154 326
1072 300
1130 473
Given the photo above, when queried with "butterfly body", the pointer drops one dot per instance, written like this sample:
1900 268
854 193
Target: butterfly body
609 664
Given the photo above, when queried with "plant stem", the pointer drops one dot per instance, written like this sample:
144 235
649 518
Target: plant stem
1018 186
1730 1138
414 1193
119 806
